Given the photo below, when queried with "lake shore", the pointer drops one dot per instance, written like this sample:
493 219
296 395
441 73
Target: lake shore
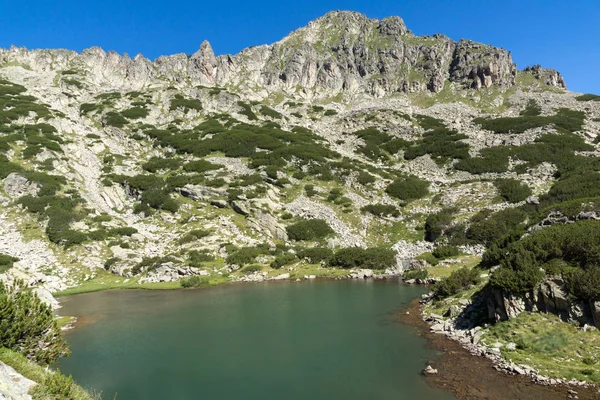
471 377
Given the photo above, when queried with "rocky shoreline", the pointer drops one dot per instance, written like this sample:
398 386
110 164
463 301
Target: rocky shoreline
487 375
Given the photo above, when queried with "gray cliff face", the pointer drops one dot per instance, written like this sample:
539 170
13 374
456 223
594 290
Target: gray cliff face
341 52
549 297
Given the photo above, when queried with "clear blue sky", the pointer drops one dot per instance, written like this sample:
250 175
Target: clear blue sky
564 35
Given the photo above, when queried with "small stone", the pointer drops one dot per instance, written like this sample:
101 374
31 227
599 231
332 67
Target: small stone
429 370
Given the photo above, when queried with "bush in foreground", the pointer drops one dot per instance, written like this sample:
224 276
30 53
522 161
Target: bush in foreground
27 325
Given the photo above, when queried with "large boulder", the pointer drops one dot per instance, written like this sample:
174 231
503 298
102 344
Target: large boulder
14 385
16 185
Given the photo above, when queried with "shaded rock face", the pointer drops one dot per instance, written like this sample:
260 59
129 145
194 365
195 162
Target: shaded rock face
339 53
548 297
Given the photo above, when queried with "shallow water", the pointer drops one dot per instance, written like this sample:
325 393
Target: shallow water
280 340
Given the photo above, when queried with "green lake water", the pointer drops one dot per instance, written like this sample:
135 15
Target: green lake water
281 340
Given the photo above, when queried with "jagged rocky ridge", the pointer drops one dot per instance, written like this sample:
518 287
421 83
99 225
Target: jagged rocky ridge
342 52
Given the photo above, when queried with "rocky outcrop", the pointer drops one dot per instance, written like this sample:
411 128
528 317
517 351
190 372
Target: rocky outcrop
339 53
549 76
549 297
477 66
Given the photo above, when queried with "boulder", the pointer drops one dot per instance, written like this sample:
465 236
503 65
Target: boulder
14 385
240 207
429 370
16 185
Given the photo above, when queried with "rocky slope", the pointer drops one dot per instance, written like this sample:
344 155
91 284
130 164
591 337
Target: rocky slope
120 171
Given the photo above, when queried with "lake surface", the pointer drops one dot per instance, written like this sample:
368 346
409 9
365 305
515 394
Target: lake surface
279 340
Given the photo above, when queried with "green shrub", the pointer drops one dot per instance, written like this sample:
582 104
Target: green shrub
584 284
115 119
512 190
421 274
251 269
269 112
437 224
588 97
364 178
564 118
110 262
135 113
315 255
247 111
159 200
54 386
356 257
197 257
179 102
442 252
329 113
194 235
532 109
156 164
577 185
310 190
408 189
429 123
194 281
577 245
27 325
6 262
200 166
151 263
310 229
487 227
441 144
282 260
429 258
458 280
243 256
381 210
122 231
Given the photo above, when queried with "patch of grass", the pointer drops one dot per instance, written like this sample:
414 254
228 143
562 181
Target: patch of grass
588 97
555 348
108 281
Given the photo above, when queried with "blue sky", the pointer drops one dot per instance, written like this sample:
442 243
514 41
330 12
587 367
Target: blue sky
564 35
